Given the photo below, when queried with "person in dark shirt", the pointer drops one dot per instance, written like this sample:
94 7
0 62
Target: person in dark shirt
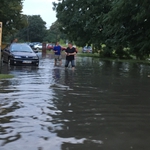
57 51
70 53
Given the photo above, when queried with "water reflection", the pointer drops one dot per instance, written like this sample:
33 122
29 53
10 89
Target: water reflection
101 105
57 74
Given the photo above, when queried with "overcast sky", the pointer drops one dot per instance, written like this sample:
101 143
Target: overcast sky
42 8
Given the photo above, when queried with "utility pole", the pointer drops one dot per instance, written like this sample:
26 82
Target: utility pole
28 29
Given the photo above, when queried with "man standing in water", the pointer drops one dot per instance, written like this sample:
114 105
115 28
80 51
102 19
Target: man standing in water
70 53
57 51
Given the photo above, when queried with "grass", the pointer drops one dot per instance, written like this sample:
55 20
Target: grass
96 55
6 76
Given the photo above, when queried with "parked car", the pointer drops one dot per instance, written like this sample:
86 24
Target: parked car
50 46
20 54
33 43
87 49
38 46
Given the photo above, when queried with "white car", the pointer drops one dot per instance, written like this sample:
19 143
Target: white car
38 46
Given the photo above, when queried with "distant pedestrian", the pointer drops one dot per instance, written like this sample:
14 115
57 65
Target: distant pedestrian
57 51
70 53
14 40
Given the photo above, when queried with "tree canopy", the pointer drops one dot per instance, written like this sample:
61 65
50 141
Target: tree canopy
118 24
54 33
35 31
10 15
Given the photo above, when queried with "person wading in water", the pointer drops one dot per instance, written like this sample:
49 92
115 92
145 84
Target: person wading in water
57 51
70 53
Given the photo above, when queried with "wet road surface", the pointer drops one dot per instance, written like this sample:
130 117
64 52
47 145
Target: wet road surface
101 105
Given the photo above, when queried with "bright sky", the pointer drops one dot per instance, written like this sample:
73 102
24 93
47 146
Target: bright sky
42 8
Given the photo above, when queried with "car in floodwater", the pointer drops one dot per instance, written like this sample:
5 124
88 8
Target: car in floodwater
87 49
20 54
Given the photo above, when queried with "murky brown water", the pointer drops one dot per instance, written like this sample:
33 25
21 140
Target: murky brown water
102 105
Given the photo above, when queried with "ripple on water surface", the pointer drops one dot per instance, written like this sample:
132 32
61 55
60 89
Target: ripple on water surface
100 105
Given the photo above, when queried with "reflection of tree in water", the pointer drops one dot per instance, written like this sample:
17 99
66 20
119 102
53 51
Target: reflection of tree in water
77 120
74 121
6 86
6 120
69 78
101 106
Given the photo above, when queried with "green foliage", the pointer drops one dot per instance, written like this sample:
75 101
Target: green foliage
115 23
54 33
10 15
130 29
35 30
82 20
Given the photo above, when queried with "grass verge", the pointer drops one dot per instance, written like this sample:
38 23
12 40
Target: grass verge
6 76
96 55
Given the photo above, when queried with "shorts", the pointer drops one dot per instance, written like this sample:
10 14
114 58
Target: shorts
58 57
68 61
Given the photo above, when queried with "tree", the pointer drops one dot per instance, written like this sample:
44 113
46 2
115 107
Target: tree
118 24
54 33
11 16
82 20
35 30
130 29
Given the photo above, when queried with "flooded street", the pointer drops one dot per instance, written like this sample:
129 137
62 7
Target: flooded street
102 105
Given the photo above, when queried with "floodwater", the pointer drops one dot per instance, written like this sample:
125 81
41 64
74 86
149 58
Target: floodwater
102 105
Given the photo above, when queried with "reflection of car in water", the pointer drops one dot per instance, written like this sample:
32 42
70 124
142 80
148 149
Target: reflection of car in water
87 49
20 54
